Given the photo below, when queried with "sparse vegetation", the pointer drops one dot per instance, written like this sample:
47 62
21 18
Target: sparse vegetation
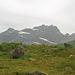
55 62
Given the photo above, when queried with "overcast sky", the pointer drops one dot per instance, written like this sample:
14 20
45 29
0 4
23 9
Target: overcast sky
20 14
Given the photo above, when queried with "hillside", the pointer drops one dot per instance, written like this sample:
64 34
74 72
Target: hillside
71 43
53 61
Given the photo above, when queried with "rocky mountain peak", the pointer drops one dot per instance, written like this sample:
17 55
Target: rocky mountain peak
11 29
47 28
47 34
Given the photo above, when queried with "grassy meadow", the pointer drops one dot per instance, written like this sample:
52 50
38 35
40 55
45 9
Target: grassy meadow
55 61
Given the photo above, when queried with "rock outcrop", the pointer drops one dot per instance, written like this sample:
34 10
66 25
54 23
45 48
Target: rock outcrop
18 52
67 45
44 50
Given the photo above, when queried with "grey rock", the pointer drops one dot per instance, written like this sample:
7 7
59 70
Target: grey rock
67 45
18 52
44 50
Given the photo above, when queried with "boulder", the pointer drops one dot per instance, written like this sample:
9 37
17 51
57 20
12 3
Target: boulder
67 45
44 50
18 52
37 73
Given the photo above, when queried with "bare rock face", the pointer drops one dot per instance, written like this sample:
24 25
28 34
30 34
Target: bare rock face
67 45
18 52
37 73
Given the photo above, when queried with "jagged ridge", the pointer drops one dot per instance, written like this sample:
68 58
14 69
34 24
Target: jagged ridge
38 35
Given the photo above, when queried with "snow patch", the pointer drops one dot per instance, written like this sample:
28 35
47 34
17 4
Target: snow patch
47 40
36 43
21 32
34 29
22 36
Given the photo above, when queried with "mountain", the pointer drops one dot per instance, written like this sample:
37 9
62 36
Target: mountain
38 35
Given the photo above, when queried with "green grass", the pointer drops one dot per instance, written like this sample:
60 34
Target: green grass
71 43
56 62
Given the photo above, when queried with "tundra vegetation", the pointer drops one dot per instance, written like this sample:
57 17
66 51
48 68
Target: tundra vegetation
51 60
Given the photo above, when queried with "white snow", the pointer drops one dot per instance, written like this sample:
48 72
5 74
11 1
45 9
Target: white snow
47 40
36 43
21 32
22 36
10 31
34 29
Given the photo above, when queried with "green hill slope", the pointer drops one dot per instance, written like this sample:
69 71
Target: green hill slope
71 43
53 61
